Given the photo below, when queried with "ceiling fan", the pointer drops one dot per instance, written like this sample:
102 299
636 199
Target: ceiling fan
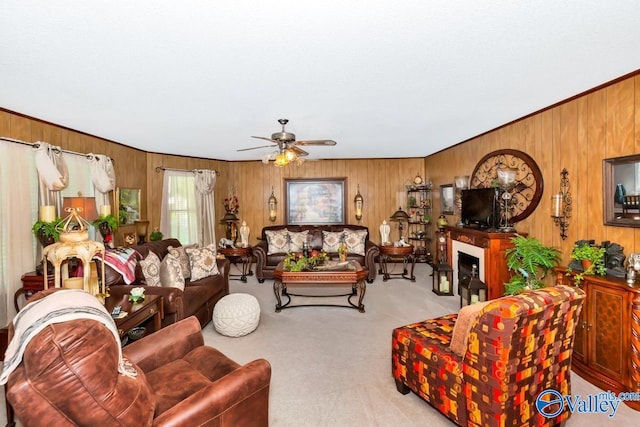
288 149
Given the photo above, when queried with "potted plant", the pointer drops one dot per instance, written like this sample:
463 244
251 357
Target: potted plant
592 259
46 232
106 224
530 261
155 235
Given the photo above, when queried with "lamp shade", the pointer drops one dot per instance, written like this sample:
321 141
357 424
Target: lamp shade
399 215
85 207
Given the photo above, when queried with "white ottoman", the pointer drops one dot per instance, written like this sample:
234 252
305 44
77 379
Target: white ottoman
235 315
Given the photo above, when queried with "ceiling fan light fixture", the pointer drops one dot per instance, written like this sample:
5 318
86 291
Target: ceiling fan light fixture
281 160
290 155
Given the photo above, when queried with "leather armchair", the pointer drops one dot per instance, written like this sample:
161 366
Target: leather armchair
69 376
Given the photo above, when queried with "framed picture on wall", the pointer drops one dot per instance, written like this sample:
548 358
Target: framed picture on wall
128 205
446 199
315 201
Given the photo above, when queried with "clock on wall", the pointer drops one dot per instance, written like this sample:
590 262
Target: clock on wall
417 180
527 191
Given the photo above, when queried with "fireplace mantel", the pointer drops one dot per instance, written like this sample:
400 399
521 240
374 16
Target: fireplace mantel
492 246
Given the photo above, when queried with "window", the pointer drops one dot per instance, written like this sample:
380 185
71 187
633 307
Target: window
179 218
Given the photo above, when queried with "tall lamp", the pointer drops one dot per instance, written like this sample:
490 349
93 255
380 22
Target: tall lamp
141 230
461 183
400 216
506 182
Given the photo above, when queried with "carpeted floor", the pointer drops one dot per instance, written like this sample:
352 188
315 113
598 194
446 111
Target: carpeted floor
331 366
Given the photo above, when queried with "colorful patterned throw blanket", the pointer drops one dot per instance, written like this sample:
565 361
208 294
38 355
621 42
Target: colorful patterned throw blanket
124 261
58 307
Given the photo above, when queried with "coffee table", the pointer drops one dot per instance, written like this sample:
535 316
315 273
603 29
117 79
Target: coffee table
352 274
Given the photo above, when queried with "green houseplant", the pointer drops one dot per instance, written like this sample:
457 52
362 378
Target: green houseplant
155 235
46 232
530 261
592 259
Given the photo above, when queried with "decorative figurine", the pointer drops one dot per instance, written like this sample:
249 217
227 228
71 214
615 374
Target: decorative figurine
244 234
385 230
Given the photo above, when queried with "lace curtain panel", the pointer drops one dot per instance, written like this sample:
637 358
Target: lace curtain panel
178 217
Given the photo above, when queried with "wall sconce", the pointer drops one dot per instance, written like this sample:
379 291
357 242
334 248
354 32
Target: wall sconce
273 204
561 204
358 201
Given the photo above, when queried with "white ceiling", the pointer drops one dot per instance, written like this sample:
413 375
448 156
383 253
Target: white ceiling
382 78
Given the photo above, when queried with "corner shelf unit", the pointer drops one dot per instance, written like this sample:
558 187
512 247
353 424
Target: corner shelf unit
419 204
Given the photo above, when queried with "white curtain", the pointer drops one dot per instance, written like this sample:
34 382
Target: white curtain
103 177
178 217
53 173
205 182
18 212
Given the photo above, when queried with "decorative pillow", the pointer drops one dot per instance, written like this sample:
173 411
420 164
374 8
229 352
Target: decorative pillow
151 269
462 328
332 240
180 253
296 240
355 240
202 262
171 272
278 241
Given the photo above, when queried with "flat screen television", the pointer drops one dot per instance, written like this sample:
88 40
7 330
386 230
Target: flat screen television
480 208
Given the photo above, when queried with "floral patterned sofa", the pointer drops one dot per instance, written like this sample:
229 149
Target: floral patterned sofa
487 365
277 240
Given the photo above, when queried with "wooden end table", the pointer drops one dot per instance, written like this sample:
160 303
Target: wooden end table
32 282
139 313
245 256
390 253
353 274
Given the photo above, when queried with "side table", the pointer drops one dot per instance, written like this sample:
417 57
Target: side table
139 313
391 253
245 256
32 282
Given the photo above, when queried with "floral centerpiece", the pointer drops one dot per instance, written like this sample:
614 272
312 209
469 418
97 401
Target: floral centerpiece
296 261
231 204
136 295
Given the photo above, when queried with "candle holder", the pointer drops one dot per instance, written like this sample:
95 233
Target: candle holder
561 204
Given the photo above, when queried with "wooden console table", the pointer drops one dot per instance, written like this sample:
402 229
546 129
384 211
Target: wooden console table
494 246
606 349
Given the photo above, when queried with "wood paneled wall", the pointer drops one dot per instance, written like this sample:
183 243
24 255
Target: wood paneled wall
576 135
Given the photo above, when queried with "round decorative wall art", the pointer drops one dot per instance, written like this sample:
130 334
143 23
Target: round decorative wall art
527 191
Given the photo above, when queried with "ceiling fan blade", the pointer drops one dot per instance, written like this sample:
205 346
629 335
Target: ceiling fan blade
299 151
255 148
317 142
265 138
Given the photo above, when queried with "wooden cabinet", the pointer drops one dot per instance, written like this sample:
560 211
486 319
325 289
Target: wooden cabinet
606 350
419 210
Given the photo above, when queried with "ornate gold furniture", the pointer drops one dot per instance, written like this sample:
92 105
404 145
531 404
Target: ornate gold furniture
85 251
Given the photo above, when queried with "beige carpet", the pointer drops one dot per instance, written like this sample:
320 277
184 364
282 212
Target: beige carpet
332 366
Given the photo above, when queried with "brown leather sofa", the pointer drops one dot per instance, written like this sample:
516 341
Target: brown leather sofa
197 299
69 376
266 264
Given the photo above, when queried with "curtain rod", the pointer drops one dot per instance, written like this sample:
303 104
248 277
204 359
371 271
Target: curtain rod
58 150
162 168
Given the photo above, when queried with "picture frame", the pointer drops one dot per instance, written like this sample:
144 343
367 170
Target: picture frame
127 205
315 201
447 196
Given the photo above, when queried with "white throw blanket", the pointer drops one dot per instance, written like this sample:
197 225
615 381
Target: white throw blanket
60 306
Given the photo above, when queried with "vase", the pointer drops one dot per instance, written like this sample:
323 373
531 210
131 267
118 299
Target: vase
586 264
618 197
